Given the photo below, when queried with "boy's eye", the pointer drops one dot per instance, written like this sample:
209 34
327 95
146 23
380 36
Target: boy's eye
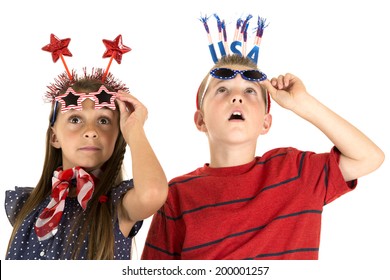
221 90
250 91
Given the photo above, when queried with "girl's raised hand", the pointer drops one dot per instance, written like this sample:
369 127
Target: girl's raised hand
132 112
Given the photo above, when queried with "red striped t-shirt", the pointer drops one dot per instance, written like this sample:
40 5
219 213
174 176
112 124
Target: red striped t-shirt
269 208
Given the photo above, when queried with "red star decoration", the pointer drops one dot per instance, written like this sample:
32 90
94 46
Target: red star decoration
115 49
57 47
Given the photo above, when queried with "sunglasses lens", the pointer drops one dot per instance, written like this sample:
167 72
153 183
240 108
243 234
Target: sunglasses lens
222 73
254 75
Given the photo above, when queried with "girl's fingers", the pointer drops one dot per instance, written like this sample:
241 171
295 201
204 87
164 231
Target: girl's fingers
121 105
127 101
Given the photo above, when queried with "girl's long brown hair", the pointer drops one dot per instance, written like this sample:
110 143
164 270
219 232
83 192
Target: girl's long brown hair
96 221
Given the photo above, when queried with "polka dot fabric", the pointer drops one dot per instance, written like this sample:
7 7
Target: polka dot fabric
26 246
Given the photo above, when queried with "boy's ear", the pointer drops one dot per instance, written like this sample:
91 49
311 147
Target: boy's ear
199 121
266 124
54 140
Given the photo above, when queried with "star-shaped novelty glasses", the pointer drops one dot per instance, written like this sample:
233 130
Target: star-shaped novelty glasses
73 100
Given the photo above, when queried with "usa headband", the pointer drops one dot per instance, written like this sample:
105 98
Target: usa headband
240 38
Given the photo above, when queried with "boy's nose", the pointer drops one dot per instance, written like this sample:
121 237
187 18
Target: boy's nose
235 99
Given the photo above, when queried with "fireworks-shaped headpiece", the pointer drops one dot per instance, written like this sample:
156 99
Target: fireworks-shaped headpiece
239 42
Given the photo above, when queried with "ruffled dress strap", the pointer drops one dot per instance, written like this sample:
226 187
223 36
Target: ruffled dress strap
14 201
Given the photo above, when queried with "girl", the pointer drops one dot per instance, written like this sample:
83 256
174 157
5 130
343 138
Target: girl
81 208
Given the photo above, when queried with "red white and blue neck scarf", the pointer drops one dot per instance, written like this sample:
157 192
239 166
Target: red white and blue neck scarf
47 222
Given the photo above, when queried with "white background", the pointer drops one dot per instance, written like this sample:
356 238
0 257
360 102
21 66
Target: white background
340 49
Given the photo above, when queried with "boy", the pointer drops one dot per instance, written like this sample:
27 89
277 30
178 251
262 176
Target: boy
240 206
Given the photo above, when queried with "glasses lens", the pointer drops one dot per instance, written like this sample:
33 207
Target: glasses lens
222 73
254 75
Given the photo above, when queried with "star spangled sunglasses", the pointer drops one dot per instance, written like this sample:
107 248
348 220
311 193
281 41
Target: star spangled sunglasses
249 75
73 100
227 74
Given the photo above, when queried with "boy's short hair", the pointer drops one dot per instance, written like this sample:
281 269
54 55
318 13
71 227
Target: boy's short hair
233 59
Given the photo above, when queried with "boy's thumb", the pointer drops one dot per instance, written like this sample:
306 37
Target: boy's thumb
269 87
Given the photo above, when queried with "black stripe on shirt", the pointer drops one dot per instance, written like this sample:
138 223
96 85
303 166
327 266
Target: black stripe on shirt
162 250
242 233
283 253
326 170
250 230
237 200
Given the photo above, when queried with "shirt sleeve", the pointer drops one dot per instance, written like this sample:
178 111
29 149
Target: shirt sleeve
336 185
322 173
117 194
14 201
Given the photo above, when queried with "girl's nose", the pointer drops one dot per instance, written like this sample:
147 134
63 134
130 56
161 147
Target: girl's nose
90 133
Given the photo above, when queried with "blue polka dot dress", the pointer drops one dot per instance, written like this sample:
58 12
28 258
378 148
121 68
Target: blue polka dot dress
26 245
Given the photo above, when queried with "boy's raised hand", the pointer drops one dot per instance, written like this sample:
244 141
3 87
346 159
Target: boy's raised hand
287 90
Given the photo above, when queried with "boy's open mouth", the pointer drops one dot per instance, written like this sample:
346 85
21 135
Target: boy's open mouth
236 116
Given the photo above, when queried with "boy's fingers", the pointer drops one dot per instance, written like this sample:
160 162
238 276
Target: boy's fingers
269 85
287 79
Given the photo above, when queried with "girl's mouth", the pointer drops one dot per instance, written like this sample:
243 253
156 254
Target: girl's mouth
89 148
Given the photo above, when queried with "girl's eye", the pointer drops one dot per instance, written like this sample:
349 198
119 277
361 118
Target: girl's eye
104 121
74 120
